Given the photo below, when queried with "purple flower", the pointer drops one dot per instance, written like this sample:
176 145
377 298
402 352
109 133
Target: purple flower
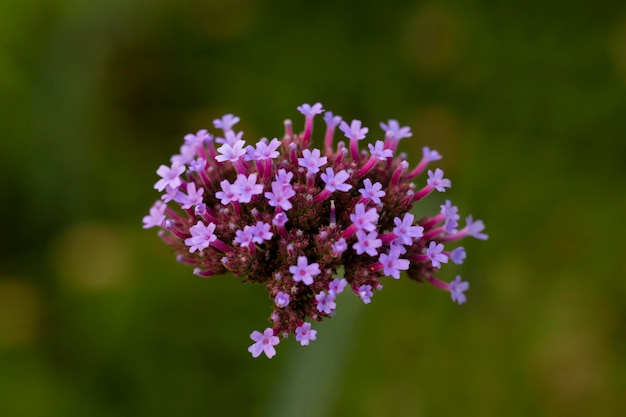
284 178
337 285
458 255
247 187
198 139
312 161
393 130
193 197
372 191
457 290
201 236
310 111
429 155
230 152
266 150
245 237
230 137
280 195
378 150
474 228
172 194
339 247
331 121
364 220
264 343
354 131
156 216
200 209
392 264
451 214
434 253
405 231
229 193
282 299
303 272
325 302
261 232
226 123
187 153
448 210
197 165
367 243
336 181
170 176
437 181
365 292
304 334
280 219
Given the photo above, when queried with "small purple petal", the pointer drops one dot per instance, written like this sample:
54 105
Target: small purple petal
354 131
282 299
365 292
458 255
434 253
393 130
303 272
429 155
437 181
310 111
156 216
336 182
457 290
226 123
372 191
264 343
304 334
475 228
312 161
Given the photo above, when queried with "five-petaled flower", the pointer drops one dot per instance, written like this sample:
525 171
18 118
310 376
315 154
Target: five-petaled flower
325 302
303 271
201 236
170 176
263 343
304 334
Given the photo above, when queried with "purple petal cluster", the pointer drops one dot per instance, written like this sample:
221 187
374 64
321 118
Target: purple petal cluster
290 216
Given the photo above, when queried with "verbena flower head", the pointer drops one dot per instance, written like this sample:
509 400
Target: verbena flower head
290 216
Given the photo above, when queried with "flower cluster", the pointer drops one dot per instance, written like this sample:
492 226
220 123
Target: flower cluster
286 215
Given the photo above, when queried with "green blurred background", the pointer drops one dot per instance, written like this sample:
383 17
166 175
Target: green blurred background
525 100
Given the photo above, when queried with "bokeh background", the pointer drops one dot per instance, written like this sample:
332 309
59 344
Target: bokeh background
525 100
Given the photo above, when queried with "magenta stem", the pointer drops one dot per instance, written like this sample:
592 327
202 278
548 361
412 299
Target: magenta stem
454 236
366 168
387 237
354 149
397 174
351 230
435 232
221 246
240 166
431 222
322 196
438 283
418 169
328 140
422 193
308 129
